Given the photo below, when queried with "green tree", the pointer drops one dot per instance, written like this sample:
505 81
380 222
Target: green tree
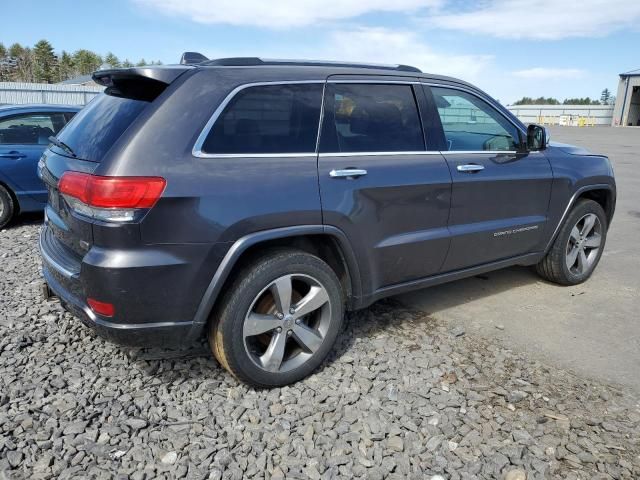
537 101
126 63
16 50
606 98
86 61
3 50
112 60
66 67
24 67
44 63
580 101
141 63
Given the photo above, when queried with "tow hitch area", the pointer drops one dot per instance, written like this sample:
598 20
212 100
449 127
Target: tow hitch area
47 293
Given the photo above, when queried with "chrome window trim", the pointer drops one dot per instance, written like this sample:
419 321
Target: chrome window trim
421 152
196 151
197 147
475 94
378 154
489 152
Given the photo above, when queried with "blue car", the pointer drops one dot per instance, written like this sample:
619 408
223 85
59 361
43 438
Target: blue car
24 135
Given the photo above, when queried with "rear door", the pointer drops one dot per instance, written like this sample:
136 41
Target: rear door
23 139
500 194
378 182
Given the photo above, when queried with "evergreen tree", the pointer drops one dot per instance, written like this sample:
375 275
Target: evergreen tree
86 61
112 60
66 67
126 63
16 50
3 50
605 97
141 63
44 63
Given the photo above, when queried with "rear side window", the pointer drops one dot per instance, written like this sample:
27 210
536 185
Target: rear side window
471 124
371 118
95 128
268 119
31 128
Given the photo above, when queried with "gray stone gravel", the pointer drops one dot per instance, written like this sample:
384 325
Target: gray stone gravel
401 397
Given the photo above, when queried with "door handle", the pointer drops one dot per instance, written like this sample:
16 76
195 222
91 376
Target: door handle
13 155
347 173
470 168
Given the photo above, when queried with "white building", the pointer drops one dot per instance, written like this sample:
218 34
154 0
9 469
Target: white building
627 109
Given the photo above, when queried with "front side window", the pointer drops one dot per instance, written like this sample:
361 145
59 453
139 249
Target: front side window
371 118
471 124
30 128
268 119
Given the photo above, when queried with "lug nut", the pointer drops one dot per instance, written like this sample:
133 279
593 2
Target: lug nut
279 315
292 310
279 329
289 333
298 321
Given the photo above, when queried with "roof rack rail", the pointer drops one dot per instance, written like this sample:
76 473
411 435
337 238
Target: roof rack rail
256 61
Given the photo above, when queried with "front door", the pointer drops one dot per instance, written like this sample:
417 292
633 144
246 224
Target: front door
500 194
378 183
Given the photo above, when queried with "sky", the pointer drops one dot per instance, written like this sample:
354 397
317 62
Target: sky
509 48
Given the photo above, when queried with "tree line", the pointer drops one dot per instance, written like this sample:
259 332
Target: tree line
41 64
605 99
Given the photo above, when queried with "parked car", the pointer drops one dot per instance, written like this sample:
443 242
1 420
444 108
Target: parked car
24 135
253 202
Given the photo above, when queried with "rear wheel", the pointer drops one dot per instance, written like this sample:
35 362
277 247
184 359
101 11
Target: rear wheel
7 207
278 320
578 247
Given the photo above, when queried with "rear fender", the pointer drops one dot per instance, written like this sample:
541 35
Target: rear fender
241 245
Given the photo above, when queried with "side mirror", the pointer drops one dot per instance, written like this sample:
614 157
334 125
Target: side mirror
537 137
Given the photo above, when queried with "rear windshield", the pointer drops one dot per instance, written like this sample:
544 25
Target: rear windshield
96 127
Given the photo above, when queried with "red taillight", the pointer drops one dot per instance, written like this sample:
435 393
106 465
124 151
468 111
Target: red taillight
101 308
112 192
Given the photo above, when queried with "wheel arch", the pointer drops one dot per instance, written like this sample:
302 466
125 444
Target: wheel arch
12 194
604 194
329 243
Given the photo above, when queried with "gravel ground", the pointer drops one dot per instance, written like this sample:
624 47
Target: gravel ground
402 396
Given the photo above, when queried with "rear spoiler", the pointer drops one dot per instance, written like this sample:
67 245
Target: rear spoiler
141 83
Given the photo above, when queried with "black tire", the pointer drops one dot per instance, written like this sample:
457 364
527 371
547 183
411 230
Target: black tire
7 207
553 266
252 290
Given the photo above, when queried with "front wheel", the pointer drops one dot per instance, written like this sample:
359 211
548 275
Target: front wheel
278 320
578 247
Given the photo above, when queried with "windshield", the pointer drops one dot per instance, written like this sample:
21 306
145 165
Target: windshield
94 130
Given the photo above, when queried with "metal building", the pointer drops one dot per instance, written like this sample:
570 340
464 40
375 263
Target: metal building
627 109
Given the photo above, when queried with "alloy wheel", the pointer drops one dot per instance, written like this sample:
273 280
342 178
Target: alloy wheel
287 323
584 244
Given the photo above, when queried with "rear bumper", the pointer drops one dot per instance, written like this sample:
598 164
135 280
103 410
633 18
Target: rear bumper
64 275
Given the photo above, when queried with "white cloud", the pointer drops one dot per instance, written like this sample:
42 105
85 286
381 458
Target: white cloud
381 45
281 13
543 19
542 73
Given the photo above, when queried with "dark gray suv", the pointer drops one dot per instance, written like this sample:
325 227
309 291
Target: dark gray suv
254 201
